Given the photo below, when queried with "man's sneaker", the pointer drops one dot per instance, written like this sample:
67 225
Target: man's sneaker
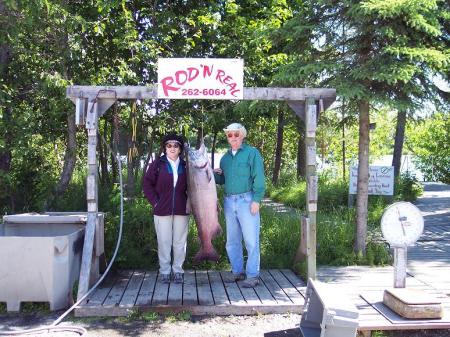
178 278
250 282
165 278
230 278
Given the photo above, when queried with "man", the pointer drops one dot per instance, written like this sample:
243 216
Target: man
242 172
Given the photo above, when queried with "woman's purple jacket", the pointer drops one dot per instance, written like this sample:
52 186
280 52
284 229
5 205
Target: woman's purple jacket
158 188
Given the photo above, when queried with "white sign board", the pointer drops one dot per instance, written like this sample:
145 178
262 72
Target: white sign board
195 78
381 180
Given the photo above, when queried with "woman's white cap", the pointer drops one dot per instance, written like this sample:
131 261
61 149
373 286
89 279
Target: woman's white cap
236 127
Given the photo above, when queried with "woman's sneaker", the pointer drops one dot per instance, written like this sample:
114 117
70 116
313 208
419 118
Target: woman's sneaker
165 278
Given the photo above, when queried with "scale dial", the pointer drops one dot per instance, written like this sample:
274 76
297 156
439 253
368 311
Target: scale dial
402 224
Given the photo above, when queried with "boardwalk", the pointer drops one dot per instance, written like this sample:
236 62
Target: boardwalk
429 260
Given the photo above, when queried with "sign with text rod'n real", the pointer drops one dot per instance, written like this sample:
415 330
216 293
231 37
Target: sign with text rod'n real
196 78
381 180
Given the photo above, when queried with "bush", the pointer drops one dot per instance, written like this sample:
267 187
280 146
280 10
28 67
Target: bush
333 193
408 187
280 233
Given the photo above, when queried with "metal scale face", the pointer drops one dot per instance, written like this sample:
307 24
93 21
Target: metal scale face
401 225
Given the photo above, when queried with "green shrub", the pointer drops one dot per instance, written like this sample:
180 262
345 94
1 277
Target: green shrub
280 233
333 193
336 222
408 187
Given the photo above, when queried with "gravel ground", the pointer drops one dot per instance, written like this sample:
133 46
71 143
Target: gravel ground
262 325
286 325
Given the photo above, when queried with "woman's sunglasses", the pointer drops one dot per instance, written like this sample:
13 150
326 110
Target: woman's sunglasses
174 145
231 134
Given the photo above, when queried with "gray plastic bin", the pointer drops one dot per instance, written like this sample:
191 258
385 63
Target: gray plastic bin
327 313
40 258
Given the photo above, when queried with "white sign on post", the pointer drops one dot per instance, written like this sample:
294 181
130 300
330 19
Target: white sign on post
381 180
196 78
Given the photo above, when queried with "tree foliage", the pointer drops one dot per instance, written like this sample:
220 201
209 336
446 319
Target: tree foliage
429 140
380 56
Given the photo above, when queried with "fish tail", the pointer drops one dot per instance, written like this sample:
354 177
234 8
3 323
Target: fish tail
206 254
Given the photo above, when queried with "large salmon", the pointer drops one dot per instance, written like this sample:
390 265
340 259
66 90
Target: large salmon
202 195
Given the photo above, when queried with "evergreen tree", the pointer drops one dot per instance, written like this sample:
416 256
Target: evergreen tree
373 52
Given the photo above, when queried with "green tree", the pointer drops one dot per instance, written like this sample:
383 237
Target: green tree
428 141
386 47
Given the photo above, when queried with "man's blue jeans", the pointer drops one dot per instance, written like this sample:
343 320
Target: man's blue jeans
241 224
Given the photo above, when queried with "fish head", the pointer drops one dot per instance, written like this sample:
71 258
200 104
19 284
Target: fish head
198 158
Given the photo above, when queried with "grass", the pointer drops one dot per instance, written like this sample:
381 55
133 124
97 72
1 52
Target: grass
151 316
31 307
335 225
2 308
280 234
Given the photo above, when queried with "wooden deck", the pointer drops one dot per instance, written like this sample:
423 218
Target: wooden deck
203 292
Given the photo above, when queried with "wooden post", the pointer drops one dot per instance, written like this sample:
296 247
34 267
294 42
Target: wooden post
89 271
92 199
303 249
311 182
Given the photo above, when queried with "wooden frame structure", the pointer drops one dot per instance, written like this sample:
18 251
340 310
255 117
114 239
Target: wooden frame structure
93 101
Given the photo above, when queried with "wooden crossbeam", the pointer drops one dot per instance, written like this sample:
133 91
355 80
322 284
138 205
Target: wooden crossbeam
151 92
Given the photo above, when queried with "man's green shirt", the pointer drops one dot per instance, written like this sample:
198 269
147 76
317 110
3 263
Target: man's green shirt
243 172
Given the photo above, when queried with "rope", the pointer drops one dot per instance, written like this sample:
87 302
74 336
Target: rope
133 151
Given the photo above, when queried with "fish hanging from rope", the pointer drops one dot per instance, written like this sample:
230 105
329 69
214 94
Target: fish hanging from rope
202 195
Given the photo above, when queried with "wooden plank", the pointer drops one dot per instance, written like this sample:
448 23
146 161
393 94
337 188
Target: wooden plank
99 294
175 297
218 289
250 295
295 281
160 293
87 255
226 310
203 289
131 293
274 288
232 289
293 294
189 289
147 288
116 293
151 92
264 295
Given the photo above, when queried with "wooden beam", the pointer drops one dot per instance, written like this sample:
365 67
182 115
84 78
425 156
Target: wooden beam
151 92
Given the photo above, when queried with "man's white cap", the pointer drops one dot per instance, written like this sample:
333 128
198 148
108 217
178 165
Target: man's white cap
236 127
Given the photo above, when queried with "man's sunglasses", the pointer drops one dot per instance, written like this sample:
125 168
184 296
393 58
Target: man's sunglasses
175 145
231 134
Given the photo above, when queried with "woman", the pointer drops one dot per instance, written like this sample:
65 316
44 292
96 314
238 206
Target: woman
165 187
